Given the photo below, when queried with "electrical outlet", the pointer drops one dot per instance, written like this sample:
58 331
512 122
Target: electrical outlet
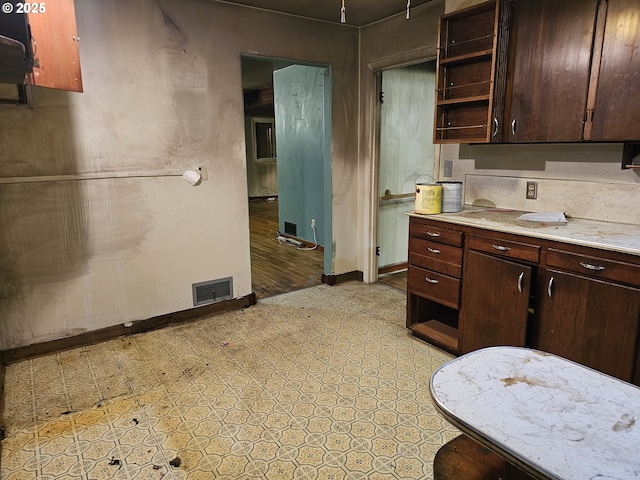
313 223
202 170
448 169
532 190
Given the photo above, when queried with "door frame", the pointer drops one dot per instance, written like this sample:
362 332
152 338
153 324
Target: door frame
370 236
327 240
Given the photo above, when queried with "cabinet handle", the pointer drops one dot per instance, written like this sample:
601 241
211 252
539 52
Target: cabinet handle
430 280
433 250
433 234
501 248
496 126
513 126
549 287
596 268
520 278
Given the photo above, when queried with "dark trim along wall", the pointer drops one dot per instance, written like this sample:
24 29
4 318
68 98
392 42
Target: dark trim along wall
96 336
109 333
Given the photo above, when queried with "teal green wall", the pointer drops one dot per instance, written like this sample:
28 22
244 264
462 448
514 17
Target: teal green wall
300 102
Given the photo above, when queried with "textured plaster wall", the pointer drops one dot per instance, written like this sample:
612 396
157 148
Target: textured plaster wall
96 226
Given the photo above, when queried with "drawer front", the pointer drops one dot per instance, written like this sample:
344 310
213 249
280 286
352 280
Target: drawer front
435 234
505 248
596 267
435 256
435 286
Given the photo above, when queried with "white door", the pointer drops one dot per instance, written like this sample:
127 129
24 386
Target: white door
406 152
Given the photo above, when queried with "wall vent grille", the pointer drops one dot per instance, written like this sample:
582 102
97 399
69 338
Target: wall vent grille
212 291
290 228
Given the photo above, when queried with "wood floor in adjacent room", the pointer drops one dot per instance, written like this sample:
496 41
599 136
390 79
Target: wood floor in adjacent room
279 268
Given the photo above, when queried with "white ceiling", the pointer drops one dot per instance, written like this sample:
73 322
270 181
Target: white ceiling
358 12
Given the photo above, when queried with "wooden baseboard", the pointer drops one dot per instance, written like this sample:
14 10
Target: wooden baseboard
109 333
393 268
343 277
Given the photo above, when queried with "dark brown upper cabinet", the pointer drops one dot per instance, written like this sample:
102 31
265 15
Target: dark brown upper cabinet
556 71
615 114
549 70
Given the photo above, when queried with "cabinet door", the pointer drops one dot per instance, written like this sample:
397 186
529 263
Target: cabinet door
495 302
551 44
589 321
55 45
616 116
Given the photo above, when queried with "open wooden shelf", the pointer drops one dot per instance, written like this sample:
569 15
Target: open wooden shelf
468 57
465 74
437 332
453 101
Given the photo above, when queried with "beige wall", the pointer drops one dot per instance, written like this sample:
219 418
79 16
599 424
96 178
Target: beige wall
107 232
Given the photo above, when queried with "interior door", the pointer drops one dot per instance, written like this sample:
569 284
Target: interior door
406 151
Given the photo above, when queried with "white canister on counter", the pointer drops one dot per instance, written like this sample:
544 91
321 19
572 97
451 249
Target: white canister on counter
451 196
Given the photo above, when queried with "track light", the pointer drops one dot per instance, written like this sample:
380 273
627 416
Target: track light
343 15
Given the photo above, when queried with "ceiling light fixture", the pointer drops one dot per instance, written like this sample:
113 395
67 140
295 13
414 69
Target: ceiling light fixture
343 15
408 7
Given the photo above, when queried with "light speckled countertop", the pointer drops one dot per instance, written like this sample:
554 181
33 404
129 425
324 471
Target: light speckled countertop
617 237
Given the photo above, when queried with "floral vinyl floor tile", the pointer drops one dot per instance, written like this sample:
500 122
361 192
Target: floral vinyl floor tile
322 383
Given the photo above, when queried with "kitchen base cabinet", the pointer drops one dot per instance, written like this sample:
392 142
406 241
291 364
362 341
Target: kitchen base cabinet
589 320
433 282
495 302
433 322
470 288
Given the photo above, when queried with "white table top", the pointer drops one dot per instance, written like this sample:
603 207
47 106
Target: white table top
552 417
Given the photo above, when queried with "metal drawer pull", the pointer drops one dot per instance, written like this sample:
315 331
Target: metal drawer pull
430 280
433 234
433 250
496 126
588 266
549 291
513 127
500 248
520 278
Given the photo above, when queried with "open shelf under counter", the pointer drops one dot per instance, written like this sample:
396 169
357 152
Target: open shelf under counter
438 333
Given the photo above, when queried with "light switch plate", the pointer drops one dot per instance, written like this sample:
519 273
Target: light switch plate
448 169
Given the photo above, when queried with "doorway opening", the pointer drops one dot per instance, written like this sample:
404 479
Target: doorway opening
288 137
406 153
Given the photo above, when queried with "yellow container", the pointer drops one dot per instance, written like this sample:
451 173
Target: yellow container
428 198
